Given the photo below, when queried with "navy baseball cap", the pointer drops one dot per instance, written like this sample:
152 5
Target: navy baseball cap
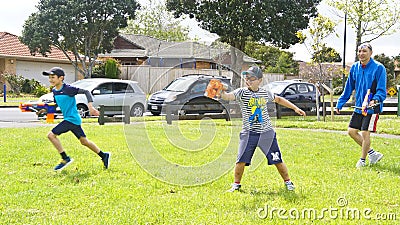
54 71
253 71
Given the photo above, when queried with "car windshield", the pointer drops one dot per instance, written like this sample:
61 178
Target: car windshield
180 85
276 87
85 84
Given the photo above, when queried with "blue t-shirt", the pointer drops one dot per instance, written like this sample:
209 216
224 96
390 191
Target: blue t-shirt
65 99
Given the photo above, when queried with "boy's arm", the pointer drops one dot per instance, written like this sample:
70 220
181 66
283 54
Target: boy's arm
227 96
288 104
89 97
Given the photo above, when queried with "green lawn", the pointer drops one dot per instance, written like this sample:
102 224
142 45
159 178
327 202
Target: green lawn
178 174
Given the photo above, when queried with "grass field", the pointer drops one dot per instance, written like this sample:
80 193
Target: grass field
178 174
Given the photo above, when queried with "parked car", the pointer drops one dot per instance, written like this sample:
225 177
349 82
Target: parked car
302 94
185 95
107 92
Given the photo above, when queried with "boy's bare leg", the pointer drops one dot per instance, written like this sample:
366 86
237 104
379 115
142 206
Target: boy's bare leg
92 146
239 169
55 141
283 171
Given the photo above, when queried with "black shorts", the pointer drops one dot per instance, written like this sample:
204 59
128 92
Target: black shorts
364 123
66 126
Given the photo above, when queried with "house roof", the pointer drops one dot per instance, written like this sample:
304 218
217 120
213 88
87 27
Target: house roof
153 47
11 46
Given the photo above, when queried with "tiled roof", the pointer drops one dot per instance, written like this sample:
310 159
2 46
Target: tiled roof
10 45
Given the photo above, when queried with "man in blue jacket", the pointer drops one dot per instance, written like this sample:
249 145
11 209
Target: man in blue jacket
367 78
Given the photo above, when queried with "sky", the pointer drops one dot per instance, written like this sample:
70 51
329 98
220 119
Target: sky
14 13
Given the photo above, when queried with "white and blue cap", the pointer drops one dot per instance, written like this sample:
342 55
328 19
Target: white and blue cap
253 71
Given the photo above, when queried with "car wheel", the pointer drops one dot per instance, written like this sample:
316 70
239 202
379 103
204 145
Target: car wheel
137 110
83 110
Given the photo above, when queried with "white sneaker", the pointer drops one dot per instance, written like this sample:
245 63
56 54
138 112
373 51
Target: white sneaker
360 164
289 185
375 157
235 187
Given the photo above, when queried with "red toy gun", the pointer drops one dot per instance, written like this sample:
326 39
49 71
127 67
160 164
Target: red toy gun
39 108
214 88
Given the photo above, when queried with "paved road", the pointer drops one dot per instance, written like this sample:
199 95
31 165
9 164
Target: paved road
13 117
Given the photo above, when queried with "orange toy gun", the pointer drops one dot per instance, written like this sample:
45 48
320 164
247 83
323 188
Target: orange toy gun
39 108
214 88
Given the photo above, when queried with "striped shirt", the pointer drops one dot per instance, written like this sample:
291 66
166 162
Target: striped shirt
254 109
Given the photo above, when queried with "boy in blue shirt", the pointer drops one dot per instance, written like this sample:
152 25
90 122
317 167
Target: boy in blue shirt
64 97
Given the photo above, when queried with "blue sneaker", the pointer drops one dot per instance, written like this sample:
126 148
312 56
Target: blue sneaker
106 159
63 163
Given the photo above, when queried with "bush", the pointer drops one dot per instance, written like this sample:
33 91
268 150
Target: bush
111 68
19 85
40 90
108 68
16 82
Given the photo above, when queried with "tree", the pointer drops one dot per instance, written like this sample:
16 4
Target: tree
273 59
85 28
234 21
155 21
313 38
320 28
389 65
327 54
370 18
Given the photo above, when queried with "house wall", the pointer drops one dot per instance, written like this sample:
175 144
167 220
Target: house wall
33 70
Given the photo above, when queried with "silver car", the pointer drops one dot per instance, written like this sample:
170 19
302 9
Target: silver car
107 92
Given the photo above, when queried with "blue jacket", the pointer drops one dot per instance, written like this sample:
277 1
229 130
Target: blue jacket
360 79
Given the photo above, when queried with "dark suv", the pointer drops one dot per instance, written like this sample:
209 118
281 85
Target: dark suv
185 95
302 94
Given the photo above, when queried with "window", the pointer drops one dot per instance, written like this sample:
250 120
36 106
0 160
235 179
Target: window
302 88
105 88
291 90
199 87
122 88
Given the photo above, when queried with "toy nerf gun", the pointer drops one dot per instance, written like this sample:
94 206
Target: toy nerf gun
214 88
39 108
365 105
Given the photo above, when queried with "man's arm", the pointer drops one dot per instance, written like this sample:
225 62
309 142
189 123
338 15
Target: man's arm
288 104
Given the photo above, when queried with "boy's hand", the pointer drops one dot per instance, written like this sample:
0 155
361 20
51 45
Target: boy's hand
92 110
42 111
300 112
